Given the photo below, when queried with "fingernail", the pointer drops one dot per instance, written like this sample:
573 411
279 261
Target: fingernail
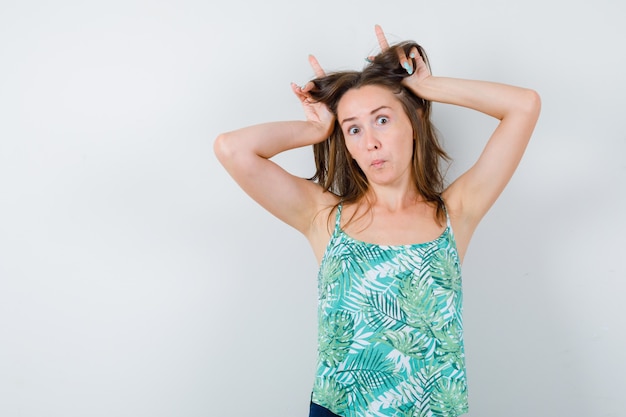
407 68
412 55
367 59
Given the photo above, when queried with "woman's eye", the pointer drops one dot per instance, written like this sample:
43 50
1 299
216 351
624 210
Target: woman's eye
353 130
382 120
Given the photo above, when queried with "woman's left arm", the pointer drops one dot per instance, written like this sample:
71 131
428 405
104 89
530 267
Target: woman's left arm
516 108
471 195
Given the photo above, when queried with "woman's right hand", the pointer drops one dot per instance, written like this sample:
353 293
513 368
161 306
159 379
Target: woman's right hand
314 111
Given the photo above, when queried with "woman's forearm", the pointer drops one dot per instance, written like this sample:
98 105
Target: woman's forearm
494 99
269 139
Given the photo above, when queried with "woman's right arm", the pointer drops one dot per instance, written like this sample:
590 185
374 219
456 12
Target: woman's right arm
246 153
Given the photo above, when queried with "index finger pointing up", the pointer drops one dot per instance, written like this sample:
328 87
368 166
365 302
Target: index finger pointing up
382 40
317 68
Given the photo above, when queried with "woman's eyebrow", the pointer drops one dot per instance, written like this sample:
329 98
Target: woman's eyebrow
349 119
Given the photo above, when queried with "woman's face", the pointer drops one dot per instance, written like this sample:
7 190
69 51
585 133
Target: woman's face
378 133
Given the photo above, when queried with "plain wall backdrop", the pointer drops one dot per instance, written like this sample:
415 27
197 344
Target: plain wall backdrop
137 279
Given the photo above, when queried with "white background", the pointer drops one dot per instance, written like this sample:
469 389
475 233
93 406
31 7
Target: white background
136 279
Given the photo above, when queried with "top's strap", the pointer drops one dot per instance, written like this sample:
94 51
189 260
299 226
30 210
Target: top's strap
338 217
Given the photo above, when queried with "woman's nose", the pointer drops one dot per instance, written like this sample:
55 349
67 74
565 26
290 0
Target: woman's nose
371 141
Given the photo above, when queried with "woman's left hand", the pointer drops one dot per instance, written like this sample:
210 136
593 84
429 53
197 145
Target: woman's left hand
413 63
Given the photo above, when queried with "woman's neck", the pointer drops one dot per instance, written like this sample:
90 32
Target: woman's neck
392 199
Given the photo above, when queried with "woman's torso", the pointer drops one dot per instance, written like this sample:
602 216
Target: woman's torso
390 324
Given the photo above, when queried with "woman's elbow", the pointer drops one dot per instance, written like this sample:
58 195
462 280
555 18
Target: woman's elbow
222 147
532 102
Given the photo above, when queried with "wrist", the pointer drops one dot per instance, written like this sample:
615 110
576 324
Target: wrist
423 88
321 129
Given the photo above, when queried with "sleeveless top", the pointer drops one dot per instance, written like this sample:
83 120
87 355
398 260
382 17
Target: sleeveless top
390 329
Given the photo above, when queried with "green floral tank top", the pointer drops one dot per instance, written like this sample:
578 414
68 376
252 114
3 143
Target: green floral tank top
390 337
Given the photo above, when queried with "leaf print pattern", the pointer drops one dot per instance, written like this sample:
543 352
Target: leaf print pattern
390 337
408 344
329 276
417 300
445 270
449 347
335 336
448 398
384 312
330 392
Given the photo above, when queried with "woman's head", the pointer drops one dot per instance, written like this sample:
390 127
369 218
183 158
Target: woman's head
337 170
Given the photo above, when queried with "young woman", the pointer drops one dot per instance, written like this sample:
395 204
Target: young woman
389 237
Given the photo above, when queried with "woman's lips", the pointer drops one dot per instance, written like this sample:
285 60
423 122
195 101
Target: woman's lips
377 163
